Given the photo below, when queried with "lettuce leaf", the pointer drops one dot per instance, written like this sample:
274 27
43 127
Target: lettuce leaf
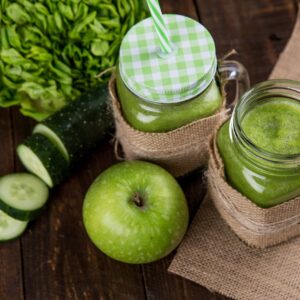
52 51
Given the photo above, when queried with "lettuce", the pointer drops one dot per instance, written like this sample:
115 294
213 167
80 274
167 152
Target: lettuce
52 50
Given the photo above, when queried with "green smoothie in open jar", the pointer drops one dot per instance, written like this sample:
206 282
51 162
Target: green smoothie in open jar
260 145
158 92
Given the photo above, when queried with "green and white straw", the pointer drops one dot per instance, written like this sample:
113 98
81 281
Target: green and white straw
160 26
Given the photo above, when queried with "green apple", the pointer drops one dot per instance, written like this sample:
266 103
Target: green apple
135 212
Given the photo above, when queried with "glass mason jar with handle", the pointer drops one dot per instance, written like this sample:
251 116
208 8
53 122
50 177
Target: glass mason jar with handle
160 92
260 144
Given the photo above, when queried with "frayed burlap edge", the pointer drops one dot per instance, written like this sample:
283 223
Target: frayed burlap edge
179 151
258 227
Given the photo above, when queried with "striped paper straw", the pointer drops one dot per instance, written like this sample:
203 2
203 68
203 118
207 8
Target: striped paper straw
160 26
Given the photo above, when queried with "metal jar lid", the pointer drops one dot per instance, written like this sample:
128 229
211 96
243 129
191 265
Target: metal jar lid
181 75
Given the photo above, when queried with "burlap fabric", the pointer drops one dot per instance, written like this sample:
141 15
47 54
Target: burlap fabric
213 256
259 227
179 151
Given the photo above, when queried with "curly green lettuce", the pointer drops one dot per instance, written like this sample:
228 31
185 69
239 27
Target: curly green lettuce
52 50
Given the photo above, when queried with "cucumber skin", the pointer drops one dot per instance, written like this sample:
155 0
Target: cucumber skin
52 159
83 123
21 215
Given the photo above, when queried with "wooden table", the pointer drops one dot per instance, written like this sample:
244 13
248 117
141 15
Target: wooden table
55 259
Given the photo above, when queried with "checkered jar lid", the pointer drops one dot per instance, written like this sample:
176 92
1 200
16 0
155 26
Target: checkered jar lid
176 77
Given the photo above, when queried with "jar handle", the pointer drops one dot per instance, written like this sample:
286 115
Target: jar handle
233 70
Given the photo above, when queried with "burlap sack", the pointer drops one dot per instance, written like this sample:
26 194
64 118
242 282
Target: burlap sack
179 151
259 227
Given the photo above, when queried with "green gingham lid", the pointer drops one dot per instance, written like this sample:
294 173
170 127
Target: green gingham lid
180 76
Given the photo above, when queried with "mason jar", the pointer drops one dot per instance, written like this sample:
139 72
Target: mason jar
159 93
260 144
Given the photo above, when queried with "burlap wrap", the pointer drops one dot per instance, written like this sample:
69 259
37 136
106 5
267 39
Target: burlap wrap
259 227
179 151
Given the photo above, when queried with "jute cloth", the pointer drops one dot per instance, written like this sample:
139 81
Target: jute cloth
179 151
213 256
259 227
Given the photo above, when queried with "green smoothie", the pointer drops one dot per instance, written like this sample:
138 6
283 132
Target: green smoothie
157 117
272 126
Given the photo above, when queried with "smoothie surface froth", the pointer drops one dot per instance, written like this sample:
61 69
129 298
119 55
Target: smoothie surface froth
274 126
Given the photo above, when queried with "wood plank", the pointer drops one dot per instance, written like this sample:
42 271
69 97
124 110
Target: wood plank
258 30
59 260
11 282
186 8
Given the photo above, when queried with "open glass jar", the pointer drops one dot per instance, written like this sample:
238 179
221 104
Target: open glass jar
159 93
260 144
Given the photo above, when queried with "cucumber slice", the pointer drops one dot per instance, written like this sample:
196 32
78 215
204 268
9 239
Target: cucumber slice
52 136
80 125
22 195
10 228
42 158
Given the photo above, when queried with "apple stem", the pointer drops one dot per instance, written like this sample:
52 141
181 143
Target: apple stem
138 200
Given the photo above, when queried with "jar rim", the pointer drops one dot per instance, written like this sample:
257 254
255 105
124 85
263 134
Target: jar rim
285 88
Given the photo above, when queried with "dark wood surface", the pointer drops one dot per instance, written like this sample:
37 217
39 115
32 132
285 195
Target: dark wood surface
54 259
